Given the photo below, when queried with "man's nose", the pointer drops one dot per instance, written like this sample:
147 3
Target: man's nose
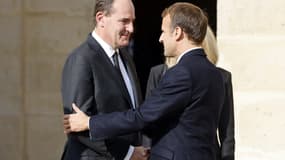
160 39
130 27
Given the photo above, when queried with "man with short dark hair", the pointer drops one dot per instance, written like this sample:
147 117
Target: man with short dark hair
186 104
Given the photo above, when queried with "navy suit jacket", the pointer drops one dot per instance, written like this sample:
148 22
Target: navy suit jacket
90 80
226 147
185 107
226 127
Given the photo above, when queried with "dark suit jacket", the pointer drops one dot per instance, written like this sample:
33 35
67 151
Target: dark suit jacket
154 78
185 106
226 148
90 80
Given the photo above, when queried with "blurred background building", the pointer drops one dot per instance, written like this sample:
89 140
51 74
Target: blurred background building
37 35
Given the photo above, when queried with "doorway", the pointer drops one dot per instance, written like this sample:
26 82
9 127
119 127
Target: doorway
148 51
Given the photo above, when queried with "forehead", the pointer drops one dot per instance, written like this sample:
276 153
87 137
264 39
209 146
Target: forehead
123 9
165 22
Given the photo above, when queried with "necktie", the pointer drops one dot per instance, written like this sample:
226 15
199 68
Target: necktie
116 61
124 76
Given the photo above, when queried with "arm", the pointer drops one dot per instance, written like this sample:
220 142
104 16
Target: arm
170 98
77 87
226 124
81 121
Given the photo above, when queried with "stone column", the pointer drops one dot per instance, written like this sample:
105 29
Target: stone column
11 124
36 36
251 39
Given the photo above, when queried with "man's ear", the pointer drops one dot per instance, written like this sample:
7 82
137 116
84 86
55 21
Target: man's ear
178 33
100 19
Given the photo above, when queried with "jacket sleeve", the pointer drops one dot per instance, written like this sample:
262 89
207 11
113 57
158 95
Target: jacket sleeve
77 85
226 123
171 96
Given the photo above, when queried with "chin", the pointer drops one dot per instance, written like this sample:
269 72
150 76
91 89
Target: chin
124 43
166 54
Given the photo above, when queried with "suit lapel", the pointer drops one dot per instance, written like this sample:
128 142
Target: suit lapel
109 68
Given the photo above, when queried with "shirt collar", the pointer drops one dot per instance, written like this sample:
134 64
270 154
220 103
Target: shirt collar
106 47
188 50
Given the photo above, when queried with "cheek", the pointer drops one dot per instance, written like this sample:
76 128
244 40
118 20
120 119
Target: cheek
120 31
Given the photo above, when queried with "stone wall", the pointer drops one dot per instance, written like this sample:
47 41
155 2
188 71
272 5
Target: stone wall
251 37
36 36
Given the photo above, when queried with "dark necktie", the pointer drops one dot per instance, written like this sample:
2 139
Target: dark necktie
116 65
116 61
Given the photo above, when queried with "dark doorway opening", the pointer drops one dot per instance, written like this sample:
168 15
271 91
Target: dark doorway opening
148 51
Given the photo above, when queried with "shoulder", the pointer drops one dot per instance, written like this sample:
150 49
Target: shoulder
177 73
158 68
85 50
225 73
82 49
79 56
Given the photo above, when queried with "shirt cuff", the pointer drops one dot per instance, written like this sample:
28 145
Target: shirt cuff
130 153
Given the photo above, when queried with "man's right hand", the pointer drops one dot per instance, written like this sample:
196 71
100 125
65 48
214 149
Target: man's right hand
140 153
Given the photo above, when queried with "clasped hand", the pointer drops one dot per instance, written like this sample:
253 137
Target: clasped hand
79 121
75 122
140 153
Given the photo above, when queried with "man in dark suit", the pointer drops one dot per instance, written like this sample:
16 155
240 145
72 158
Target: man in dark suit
225 148
225 143
185 106
99 84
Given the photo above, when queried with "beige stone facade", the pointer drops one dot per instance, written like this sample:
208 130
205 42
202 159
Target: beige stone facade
251 37
37 35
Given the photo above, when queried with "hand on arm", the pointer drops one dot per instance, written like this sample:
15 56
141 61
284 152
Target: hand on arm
140 153
75 122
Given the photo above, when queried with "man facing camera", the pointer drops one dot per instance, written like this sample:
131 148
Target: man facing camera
100 77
